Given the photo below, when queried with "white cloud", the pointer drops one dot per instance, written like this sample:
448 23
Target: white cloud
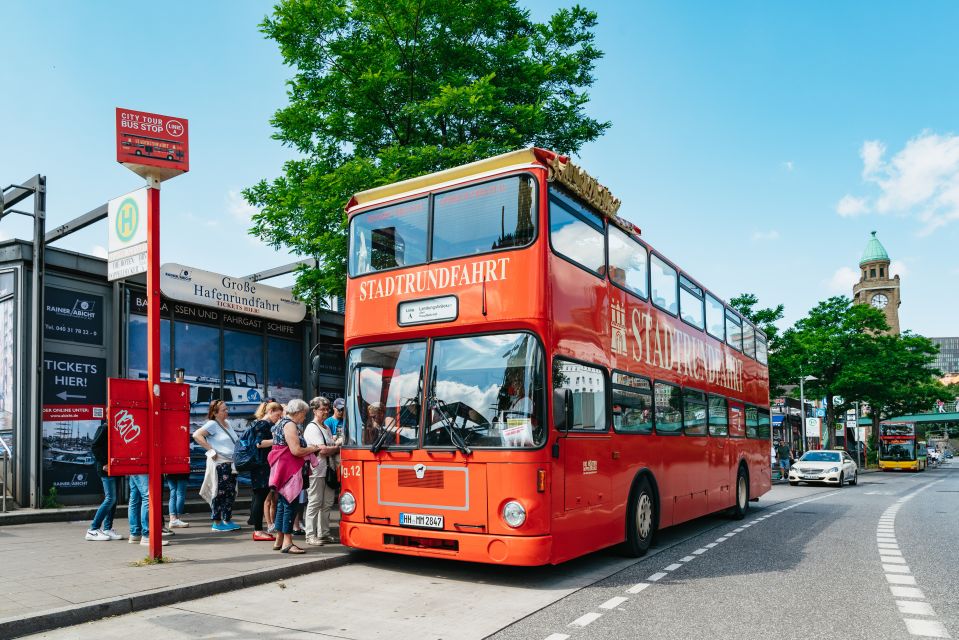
851 206
788 164
239 208
920 181
99 251
898 268
843 280
765 236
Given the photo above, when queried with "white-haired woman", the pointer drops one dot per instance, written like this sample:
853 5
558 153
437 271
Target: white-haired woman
286 470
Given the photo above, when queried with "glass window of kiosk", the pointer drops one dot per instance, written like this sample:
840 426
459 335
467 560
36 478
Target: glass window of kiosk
137 348
197 352
243 382
285 365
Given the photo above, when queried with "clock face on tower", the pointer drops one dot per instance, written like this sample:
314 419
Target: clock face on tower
879 301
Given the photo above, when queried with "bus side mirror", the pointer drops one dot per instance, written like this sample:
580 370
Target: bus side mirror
315 373
563 409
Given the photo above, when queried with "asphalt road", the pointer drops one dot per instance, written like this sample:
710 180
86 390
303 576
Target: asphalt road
871 561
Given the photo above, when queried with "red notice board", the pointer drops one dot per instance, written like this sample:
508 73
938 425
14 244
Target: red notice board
153 144
127 414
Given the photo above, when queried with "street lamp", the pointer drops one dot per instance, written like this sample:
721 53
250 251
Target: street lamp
802 407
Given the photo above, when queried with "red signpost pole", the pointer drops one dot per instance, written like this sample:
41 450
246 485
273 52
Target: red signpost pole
153 367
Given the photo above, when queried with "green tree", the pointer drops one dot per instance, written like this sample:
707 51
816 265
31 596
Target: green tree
897 379
388 90
830 344
765 319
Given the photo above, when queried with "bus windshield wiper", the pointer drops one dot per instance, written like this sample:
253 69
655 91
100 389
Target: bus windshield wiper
381 440
455 436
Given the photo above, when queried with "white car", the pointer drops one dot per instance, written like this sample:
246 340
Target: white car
828 467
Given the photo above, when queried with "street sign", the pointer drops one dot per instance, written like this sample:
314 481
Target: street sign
127 240
821 413
851 424
208 289
838 400
851 414
812 425
73 380
150 144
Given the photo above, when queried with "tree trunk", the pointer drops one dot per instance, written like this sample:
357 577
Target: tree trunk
830 442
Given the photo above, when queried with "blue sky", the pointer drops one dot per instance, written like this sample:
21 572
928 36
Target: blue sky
756 144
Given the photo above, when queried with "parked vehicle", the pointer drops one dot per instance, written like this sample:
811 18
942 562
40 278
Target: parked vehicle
827 467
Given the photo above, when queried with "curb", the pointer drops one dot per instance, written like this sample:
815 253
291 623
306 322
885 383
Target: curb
71 514
98 609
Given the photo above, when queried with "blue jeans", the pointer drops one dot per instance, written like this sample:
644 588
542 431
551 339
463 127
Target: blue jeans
177 496
108 508
284 515
139 509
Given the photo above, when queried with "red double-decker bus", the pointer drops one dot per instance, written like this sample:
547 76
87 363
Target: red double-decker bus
529 380
149 147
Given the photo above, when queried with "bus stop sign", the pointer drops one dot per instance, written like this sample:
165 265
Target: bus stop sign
153 144
127 415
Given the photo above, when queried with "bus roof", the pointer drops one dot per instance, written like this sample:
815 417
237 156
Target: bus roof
559 166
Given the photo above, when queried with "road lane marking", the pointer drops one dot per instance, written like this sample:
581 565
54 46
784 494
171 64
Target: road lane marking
636 588
556 636
582 621
612 603
894 567
926 628
700 551
656 576
687 558
907 592
710 545
912 608
672 567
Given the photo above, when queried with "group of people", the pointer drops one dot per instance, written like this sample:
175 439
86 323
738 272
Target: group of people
293 476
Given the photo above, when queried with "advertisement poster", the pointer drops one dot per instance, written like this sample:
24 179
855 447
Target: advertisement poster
68 464
7 373
153 143
72 316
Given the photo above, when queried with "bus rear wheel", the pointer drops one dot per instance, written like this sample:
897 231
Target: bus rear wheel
739 509
640 519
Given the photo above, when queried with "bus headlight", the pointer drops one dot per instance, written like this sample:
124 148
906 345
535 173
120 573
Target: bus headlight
513 514
347 503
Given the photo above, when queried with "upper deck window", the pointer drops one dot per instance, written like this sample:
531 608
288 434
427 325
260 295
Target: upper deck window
715 317
484 217
749 339
627 262
734 330
663 285
691 302
394 236
576 232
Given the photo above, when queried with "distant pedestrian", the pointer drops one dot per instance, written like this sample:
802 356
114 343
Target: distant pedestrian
320 495
176 483
335 422
219 482
784 454
287 458
138 510
267 415
108 508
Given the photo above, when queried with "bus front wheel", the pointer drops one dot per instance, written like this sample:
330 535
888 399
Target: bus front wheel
739 509
640 519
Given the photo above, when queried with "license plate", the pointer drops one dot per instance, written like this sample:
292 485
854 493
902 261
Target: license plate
421 520
810 477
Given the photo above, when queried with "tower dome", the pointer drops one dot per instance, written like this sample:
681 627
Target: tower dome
874 251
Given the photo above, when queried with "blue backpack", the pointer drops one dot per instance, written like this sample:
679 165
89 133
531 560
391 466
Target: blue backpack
246 456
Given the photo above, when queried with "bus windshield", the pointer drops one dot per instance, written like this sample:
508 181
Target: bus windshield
484 391
488 390
383 399
489 216
897 450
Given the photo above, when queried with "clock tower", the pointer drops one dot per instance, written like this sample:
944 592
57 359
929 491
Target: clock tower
876 286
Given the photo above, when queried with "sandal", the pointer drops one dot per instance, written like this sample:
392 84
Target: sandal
292 549
278 545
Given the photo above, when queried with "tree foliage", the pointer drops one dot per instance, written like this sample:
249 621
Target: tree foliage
387 90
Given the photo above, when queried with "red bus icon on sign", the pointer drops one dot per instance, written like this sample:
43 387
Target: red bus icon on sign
148 147
174 128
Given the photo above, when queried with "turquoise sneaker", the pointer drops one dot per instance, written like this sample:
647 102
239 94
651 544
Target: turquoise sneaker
231 526
219 526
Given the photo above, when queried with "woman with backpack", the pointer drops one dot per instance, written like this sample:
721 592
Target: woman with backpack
267 415
219 484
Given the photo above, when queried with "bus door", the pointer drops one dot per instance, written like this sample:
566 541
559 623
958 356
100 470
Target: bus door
580 404
718 494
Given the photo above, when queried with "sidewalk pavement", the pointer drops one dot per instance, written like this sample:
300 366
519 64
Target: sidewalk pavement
52 577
